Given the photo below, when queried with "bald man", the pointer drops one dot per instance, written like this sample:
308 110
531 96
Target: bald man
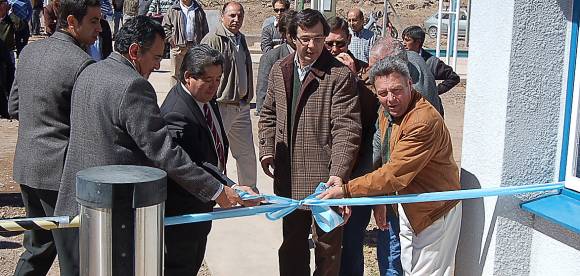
236 89
362 39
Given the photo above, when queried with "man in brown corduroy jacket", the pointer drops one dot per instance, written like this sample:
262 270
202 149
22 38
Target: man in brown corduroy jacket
420 160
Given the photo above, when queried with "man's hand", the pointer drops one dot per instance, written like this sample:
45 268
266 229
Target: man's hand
228 198
334 181
347 60
267 162
332 192
380 214
346 211
249 202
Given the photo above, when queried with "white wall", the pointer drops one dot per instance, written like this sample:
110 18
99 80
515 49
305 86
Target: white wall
517 61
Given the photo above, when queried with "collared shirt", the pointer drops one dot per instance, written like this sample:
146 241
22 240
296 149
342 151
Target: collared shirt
22 9
188 14
302 71
361 43
214 119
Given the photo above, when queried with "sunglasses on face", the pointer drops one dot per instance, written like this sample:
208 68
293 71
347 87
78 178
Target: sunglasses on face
279 10
338 44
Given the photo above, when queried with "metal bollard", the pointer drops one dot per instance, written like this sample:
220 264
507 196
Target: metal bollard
121 220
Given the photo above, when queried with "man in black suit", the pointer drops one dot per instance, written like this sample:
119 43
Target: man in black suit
194 121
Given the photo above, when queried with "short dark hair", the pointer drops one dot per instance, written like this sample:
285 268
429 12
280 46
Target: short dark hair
141 30
285 2
307 18
76 8
285 20
225 6
197 59
415 33
338 24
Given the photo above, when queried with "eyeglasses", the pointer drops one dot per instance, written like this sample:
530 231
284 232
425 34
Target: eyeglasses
337 44
279 10
306 40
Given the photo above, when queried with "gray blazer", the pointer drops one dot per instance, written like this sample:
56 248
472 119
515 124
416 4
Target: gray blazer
270 38
40 100
115 120
267 61
423 80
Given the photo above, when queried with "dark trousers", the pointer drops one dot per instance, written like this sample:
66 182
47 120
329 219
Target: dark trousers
22 37
35 21
294 253
40 250
67 246
185 249
388 246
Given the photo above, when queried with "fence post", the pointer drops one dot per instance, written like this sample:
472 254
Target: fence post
122 220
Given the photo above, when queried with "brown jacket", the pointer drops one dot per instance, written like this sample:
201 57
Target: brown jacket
325 131
421 161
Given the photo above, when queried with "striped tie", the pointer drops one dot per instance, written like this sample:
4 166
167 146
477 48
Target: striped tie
219 147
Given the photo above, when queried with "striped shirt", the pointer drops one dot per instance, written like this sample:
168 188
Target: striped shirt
361 43
21 8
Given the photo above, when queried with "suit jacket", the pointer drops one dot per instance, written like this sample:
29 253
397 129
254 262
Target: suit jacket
115 120
441 71
425 81
40 99
325 131
267 60
270 38
188 128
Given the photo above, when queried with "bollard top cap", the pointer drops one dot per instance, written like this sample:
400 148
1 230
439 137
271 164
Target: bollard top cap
102 187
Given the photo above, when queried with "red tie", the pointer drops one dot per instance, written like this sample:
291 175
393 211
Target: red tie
219 147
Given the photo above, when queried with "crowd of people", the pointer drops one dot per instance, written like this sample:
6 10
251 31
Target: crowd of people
335 104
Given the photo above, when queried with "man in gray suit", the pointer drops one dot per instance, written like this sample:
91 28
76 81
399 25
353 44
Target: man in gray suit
115 120
40 100
268 59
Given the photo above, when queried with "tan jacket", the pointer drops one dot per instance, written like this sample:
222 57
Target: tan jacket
173 25
228 89
421 161
325 129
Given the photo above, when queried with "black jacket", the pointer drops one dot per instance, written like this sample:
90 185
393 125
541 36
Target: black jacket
187 125
441 71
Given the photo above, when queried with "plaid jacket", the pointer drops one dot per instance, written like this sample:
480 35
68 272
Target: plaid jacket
326 129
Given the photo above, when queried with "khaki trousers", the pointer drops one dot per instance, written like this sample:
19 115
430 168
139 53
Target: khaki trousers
432 252
176 55
238 127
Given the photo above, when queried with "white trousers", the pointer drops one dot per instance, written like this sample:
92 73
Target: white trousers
432 252
238 127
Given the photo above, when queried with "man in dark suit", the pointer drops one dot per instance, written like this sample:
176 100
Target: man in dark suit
115 120
194 121
40 100
268 59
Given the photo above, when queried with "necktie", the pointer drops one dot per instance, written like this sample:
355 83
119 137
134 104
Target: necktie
219 147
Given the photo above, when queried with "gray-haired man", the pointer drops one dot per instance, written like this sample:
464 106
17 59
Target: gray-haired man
419 159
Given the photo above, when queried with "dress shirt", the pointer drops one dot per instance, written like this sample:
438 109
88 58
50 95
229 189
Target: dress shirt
361 44
302 71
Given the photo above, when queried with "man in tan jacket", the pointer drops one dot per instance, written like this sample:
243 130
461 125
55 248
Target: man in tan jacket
420 160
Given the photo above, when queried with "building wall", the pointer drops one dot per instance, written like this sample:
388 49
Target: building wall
513 112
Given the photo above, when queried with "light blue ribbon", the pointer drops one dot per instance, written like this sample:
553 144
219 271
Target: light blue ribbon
327 219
